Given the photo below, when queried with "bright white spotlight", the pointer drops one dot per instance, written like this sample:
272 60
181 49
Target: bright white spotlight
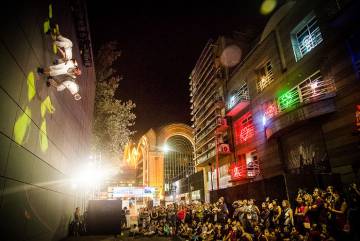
90 175
165 148
264 120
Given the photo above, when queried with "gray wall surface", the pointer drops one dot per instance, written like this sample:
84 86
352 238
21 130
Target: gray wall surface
44 134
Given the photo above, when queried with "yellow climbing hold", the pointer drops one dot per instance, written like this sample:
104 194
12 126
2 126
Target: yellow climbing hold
44 144
46 106
21 127
31 86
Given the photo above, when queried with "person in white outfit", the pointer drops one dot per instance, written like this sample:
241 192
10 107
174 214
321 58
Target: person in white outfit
69 68
64 45
69 84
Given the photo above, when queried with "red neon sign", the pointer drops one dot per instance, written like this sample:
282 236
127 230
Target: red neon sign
244 128
237 171
270 110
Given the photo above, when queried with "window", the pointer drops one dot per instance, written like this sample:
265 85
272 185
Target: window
306 36
266 76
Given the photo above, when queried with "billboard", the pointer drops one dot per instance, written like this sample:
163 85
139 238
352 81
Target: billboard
133 192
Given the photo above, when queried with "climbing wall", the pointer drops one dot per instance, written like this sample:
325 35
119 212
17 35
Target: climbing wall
44 134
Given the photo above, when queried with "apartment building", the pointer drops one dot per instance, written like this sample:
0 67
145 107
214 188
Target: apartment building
207 92
292 99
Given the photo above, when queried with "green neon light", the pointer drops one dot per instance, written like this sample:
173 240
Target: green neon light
289 99
31 85
21 127
44 143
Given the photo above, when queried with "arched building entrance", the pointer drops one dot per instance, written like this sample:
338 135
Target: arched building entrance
178 160
164 156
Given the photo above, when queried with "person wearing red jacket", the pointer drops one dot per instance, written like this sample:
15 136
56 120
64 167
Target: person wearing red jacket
181 215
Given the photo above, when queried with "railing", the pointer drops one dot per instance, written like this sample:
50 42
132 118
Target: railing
206 157
312 89
243 169
205 133
238 95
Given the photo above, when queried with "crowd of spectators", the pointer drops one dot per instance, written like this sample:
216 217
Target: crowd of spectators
317 215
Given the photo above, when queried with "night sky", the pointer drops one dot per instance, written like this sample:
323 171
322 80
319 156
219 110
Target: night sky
160 46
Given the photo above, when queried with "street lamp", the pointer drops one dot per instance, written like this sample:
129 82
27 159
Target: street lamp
165 148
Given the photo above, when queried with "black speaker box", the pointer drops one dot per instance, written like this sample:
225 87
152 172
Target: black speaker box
103 217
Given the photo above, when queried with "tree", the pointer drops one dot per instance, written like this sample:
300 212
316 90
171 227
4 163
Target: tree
113 118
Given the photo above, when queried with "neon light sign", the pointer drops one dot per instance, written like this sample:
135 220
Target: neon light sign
244 128
270 110
236 171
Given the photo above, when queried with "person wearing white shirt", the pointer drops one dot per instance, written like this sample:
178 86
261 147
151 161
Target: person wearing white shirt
64 45
69 84
69 68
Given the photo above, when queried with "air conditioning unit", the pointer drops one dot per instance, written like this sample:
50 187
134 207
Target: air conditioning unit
221 121
224 148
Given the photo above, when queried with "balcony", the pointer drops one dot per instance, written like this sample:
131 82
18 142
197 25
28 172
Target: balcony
312 89
205 134
311 98
239 99
205 128
205 156
244 170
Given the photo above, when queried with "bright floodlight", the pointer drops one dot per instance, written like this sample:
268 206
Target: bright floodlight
89 176
166 148
264 120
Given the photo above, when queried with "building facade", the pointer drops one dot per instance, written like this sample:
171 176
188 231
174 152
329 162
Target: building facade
302 85
207 95
44 134
165 156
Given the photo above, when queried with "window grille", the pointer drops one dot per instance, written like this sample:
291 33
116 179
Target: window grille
306 36
266 77
238 95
